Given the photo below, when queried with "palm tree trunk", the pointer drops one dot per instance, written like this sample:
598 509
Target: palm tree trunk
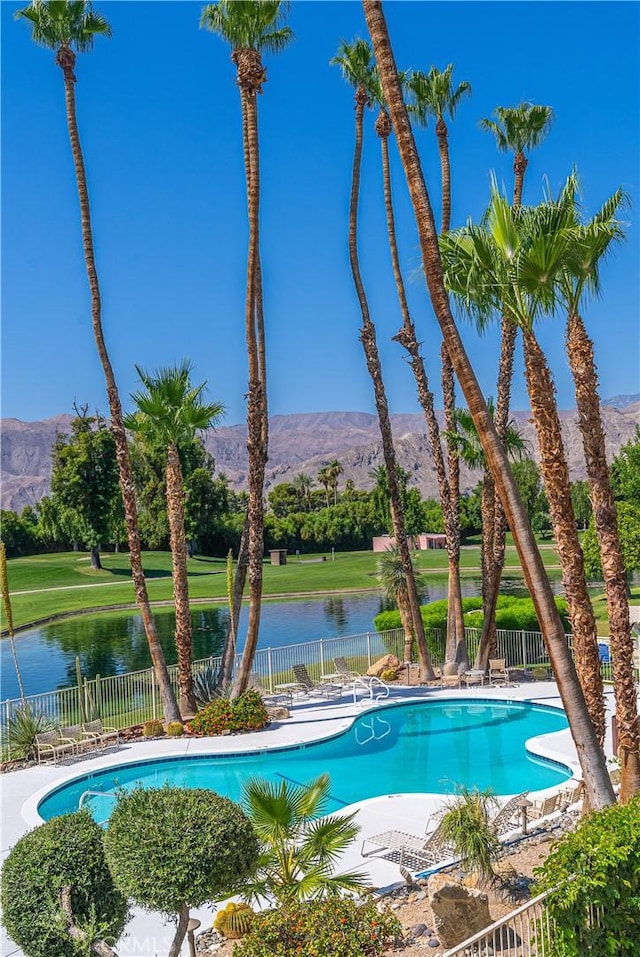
178 544
597 781
257 401
229 650
66 60
555 475
96 564
520 163
581 362
369 344
456 649
445 173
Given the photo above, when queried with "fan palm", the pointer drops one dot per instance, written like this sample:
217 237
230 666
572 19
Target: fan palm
592 762
455 644
170 411
335 470
67 26
356 63
299 849
392 577
434 95
252 27
518 129
506 266
588 244
472 454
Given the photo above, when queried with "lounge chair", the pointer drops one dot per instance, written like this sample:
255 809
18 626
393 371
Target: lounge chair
544 807
498 672
307 688
571 794
344 674
403 848
82 741
282 697
508 818
50 745
99 734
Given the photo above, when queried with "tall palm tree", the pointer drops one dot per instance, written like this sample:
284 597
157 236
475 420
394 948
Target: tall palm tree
517 129
303 484
435 96
252 27
355 62
67 26
324 478
455 650
472 454
8 615
588 244
507 265
170 411
299 846
394 586
597 781
334 470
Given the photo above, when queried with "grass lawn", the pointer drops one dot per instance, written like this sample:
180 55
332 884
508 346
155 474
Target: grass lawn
46 585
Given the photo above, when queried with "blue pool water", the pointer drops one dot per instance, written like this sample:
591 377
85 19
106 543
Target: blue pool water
423 747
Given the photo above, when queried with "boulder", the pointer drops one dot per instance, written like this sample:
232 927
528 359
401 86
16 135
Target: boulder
386 663
278 713
458 911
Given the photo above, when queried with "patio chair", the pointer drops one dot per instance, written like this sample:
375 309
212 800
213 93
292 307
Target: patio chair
306 687
475 676
544 807
344 673
498 672
571 794
99 734
508 818
282 697
50 745
75 733
402 848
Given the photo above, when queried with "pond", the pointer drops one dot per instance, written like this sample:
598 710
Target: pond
114 643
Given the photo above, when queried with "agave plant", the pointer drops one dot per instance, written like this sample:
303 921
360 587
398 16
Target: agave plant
205 686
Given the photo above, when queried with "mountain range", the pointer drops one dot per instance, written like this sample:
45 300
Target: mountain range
305 442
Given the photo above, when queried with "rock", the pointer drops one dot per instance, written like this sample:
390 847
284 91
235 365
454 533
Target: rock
459 912
418 930
386 663
433 942
208 942
278 713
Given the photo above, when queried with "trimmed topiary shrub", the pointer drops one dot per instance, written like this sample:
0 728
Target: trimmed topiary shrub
170 849
338 927
596 868
246 713
66 851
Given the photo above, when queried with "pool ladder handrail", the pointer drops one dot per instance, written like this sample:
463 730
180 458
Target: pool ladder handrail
369 683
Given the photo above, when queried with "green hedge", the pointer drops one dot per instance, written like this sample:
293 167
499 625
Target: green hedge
512 614
596 866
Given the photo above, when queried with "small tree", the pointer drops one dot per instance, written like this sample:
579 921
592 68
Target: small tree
59 864
596 869
170 849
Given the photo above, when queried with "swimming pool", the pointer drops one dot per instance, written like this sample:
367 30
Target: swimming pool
425 747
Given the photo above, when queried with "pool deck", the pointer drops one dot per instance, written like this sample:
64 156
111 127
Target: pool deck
149 934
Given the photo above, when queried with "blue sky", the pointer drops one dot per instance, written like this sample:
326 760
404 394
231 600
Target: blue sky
159 119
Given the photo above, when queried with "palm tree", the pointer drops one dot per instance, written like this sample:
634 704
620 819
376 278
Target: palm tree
299 846
471 452
455 650
434 95
519 129
334 471
588 244
8 615
355 62
67 26
324 478
394 586
509 265
303 484
170 411
597 781
252 27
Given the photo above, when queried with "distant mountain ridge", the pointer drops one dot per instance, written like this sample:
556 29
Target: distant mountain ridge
303 442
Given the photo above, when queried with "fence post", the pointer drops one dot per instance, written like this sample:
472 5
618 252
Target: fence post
524 650
369 648
322 671
270 669
153 696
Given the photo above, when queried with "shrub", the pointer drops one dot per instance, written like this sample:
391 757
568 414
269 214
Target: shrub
152 729
65 851
337 926
175 729
246 713
172 848
234 920
389 674
597 866
21 730
466 825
